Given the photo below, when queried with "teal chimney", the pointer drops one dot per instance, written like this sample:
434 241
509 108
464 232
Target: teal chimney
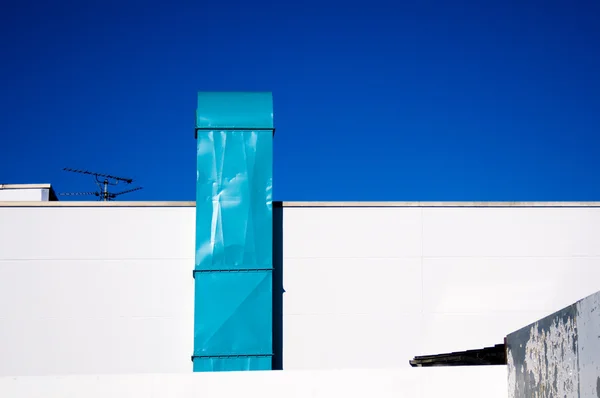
234 232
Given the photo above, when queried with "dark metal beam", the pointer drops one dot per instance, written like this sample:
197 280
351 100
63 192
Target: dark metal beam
486 356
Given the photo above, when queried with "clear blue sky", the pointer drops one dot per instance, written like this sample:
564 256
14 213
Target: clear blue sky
408 100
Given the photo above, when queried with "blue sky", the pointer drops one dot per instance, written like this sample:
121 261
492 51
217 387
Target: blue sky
415 100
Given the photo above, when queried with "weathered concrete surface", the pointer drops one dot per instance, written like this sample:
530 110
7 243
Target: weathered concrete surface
557 356
588 330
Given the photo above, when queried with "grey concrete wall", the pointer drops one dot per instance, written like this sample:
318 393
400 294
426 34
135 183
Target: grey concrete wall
557 356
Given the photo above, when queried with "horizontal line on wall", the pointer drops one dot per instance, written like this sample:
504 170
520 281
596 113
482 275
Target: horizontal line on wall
440 257
84 318
401 314
493 312
99 204
512 257
437 204
104 259
191 259
351 258
314 204
398 314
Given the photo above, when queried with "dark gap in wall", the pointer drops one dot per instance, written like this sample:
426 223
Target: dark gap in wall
277 286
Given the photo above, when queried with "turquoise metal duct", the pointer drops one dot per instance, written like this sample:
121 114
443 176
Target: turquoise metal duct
234 232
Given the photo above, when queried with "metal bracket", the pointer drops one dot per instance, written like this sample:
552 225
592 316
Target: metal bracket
233 356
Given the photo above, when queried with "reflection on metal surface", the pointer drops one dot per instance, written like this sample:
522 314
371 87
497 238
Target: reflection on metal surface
233 200
234 237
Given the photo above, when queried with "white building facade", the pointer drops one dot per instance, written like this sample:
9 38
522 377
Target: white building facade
107 287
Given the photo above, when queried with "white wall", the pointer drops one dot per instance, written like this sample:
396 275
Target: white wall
488 382
373 287
25 195
110 289
96 290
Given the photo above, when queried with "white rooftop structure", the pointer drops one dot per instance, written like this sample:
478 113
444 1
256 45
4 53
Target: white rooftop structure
27 193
